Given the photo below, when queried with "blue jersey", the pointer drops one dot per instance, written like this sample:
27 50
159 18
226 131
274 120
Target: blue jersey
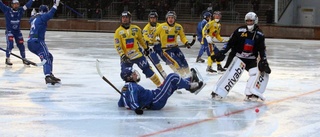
135 96
201 24
39 25
13 17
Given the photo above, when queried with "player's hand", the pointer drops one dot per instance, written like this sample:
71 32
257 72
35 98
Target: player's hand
138 111
56 2
218 57
263 66
188 45
125 59
209 39
147 51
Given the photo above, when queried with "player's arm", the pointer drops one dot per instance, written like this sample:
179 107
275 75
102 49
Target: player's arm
218 36
4 7
134 99
50 14
183 37
145 33
28 4
118 43
140 39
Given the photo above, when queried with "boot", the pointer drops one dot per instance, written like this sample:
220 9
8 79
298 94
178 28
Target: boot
215 96
51 80
251 98
195 86
219 68
194 76
209 69
25 62
199 59
55 78
8 62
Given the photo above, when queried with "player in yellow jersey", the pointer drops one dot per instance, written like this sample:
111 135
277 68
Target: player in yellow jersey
127 41
147 32
168 33
212 30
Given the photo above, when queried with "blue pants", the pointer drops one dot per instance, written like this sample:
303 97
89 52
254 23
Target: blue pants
172 82
40 49
142 64
178 56
17 36
205 48
156 53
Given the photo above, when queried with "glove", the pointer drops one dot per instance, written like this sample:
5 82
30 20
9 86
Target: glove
125 59
209 39
138 111
56 2
188 45
218 57
147 51
263 66
33 12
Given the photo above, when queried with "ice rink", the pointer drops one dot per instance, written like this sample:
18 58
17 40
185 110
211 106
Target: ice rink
86 106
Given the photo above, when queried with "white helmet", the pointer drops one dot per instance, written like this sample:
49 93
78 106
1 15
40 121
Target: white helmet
251 16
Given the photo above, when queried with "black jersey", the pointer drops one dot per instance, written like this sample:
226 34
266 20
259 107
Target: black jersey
247 44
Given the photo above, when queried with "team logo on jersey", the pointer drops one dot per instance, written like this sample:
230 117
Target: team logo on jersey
242 30
123 35
248 45
129 43
170 38
244 35
178 28
167 31
116 41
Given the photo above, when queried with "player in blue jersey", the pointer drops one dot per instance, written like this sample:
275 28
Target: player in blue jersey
137 98
13 16
203 42
36 42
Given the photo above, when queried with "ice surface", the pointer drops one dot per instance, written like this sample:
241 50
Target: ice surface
86 106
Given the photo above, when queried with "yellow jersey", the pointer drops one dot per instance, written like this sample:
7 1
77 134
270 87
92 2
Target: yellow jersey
128 41
212 28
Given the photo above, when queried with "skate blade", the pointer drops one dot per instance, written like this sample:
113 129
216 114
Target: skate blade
53 85
8 66
197 91
178 92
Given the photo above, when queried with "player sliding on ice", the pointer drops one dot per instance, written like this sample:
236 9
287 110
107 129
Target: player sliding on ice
135 97
36 43
248 42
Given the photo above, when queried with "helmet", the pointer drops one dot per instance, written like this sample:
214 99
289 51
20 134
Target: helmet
171 13
251 16
128 14
126 74
206 15
153 14
43 9
14 1
216 16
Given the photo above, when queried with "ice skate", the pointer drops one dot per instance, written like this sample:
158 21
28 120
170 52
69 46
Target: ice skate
251 98
220 69
51 81
196 87
200 60
215 96
55 78
8 62
25 62
210 70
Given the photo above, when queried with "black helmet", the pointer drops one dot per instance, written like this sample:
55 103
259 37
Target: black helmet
153 14
127 14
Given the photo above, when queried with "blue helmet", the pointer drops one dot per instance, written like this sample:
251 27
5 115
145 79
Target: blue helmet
206 15
126 74
43 9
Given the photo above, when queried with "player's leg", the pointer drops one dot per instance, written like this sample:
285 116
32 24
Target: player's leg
19 41
210 61
9 39
201 50
219 67
156 61
256 85
146 69
184 64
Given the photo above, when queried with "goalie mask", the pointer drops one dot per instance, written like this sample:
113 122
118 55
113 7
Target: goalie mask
128 74
251 19
125 19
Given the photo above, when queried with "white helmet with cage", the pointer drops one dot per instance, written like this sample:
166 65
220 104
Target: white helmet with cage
253 17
